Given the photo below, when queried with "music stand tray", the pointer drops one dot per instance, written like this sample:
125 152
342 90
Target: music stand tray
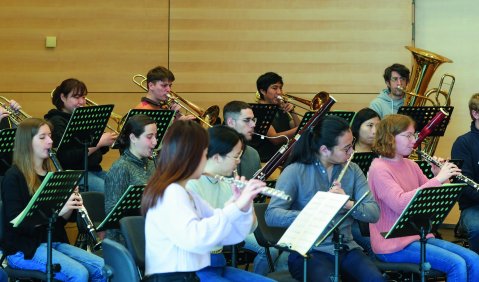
348 116
7 139
364 160
264 113
128 205
422 116
163 119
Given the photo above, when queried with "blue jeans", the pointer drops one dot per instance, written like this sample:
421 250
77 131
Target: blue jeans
76 264
260 261
460 264
96 181
3 276
469 221
354 265
363 241
218 271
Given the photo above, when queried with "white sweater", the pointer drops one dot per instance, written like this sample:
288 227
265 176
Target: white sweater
182 229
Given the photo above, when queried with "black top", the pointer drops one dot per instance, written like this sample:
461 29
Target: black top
72 158
15 199
265 148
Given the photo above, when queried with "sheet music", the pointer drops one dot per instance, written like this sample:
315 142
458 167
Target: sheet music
312 221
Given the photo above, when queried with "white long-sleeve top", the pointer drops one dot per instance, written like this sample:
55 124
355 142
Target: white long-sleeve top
182 229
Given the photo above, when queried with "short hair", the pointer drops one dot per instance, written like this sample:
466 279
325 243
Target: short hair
361 116
265 80
136 126
474 104
68 85
233 109
222 140
401 69
385 143
159 73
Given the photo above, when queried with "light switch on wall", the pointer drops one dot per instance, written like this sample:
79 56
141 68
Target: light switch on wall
51 42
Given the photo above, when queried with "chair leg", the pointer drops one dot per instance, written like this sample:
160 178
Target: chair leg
269 259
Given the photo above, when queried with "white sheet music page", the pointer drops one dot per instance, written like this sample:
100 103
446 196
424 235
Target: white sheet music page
312 221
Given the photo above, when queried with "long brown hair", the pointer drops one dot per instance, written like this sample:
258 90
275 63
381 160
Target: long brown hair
181 153
385 143
23 151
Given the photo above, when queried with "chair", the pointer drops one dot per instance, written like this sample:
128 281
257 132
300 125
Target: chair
133 230
119 263
267 237
17 274
94 203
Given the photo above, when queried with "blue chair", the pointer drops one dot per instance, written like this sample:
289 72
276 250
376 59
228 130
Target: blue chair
119 264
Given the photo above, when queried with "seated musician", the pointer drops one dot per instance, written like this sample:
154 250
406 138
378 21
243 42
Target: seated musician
137 141
66 97
466 147
392 98
181 229
285 122
6 122
26 246
159 81
363 128
394 179
224 152
316 161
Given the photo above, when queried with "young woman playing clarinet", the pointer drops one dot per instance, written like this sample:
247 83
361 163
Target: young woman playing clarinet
317 160
393 180
182 229
26 246
135 166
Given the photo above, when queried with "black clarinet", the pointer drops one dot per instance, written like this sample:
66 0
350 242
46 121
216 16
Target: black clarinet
91 231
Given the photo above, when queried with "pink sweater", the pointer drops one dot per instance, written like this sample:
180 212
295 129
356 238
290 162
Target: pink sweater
393 184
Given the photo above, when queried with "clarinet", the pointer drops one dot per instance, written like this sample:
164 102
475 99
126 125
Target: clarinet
91 231
461 176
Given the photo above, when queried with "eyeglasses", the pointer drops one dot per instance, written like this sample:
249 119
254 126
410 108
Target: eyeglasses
349 147
400 78
249 120
237 158
410 136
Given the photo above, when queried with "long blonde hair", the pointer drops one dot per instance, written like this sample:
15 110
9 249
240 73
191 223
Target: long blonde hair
23 152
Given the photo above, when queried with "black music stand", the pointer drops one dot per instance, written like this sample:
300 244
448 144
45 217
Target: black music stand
364 160
264 114
163 119
85 127
426 168
7 140
425 212
45 205
128 205
348 116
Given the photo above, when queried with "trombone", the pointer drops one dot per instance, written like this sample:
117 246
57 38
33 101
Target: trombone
207 117
15 116
312 105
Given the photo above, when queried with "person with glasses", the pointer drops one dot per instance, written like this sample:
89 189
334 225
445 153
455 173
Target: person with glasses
394 179
392 98
285 122
315 163
239 116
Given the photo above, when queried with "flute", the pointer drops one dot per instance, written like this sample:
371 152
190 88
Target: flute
343 171
461 176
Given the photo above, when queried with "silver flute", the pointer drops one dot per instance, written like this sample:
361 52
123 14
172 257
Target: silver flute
270 192
461 176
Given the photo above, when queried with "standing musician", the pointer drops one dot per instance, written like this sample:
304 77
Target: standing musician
392 98
394 179
314 165
66 97
26 246
159 82
466 147
285 122
181 229
239 116
137 141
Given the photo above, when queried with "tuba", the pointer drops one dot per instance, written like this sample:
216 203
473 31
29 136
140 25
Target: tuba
14 117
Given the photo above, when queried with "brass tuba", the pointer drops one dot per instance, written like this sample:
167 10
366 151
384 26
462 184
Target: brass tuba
207 117
15 117
423 68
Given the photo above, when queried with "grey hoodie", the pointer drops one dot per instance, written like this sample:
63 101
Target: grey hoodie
384 105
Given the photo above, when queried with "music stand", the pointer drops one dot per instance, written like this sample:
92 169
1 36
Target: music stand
85 127
264 114
364 160
7 140
46 203
425 212
426 167
128 205
348 116
163 119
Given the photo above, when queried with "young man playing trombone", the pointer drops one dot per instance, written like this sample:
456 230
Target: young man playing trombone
318 159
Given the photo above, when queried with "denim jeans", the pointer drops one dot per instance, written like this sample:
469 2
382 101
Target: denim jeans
460 264
218 271
354 265
260 264
96 181
363 241
469 221
76 264
3 276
